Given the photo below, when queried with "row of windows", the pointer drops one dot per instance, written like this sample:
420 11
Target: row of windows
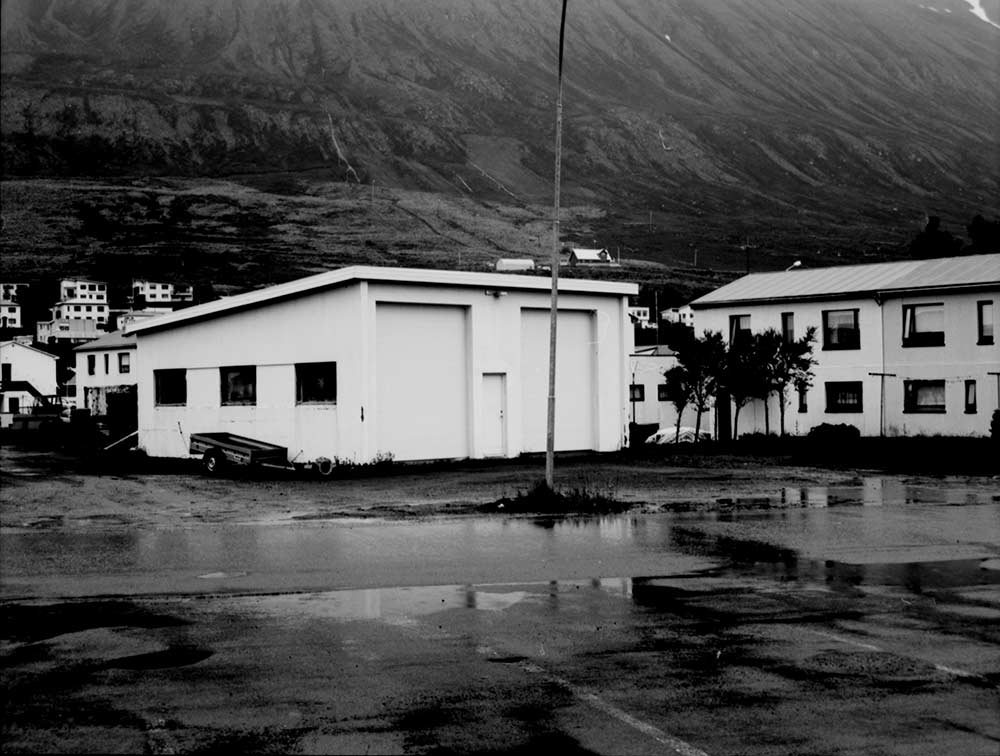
124 363
315 383
923 325
918 396
847 396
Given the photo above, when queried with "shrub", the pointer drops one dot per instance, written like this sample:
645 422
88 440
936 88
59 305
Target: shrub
540 499
995 425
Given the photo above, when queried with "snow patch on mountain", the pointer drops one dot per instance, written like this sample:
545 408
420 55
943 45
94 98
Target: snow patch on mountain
978 12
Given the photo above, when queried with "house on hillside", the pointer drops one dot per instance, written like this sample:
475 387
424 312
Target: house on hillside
26 374
904 348
363 361
596 257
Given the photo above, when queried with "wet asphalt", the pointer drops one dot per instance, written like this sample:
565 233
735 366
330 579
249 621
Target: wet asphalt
861 620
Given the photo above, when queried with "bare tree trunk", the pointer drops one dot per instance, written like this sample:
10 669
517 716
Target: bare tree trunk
677 432
697 423
736 421
781 409
767 415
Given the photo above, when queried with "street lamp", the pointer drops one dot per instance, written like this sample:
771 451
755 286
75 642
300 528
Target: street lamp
796 264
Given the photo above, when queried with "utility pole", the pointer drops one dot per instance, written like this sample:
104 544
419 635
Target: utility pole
550 440
656 314
881 408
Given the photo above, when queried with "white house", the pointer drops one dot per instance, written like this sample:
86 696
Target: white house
69 331
648 402
10 314
683 315
583 256
362 361
104 366
903 348
159 292
25 373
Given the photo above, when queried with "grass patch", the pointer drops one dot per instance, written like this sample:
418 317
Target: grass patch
544 500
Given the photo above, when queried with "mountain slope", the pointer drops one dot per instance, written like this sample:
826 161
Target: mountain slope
788 113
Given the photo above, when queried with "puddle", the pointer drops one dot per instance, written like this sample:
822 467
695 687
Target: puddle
747 557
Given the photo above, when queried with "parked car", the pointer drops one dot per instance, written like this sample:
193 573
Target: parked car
670 435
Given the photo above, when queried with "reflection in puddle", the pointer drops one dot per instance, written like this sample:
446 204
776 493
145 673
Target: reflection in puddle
401 605
746 557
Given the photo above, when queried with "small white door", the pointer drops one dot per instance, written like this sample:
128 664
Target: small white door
494 432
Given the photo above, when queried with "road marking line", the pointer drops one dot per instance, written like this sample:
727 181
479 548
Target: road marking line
592 699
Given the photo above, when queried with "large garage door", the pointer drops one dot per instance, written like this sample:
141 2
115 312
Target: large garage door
575 399
421 381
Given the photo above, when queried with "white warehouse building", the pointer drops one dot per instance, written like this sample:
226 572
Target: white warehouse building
904 348
367 361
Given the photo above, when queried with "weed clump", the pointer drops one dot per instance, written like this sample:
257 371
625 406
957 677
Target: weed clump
542 499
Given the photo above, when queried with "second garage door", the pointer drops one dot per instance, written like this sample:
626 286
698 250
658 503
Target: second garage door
575 384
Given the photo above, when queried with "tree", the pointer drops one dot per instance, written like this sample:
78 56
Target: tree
702 359
767 351
678 393
742 376
795 364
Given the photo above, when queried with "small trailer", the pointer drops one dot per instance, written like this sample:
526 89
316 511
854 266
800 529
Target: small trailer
218 450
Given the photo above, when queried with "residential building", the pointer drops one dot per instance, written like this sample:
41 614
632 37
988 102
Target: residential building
104 367
648 400
683 315
641 317
583 256
160 292
904 348
10 314
25 374
362 361
80 290
66 331
12 292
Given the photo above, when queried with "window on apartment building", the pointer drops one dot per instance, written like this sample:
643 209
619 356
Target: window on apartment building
5 372
124 362
91 364
802 391
843 396
238 384
923 325
316 382
170 387
739 328
788 327
636 392
662 394
923 396
970 397
841 329
107 364
14 405
984 317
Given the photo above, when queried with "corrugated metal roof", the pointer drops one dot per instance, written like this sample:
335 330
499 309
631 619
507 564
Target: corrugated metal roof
333 278
113 340
857 279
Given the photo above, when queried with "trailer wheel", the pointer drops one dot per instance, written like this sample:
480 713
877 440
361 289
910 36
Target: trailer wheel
324 467
214 461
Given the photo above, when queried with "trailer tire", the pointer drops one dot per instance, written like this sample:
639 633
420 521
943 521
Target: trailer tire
214 461
324 467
